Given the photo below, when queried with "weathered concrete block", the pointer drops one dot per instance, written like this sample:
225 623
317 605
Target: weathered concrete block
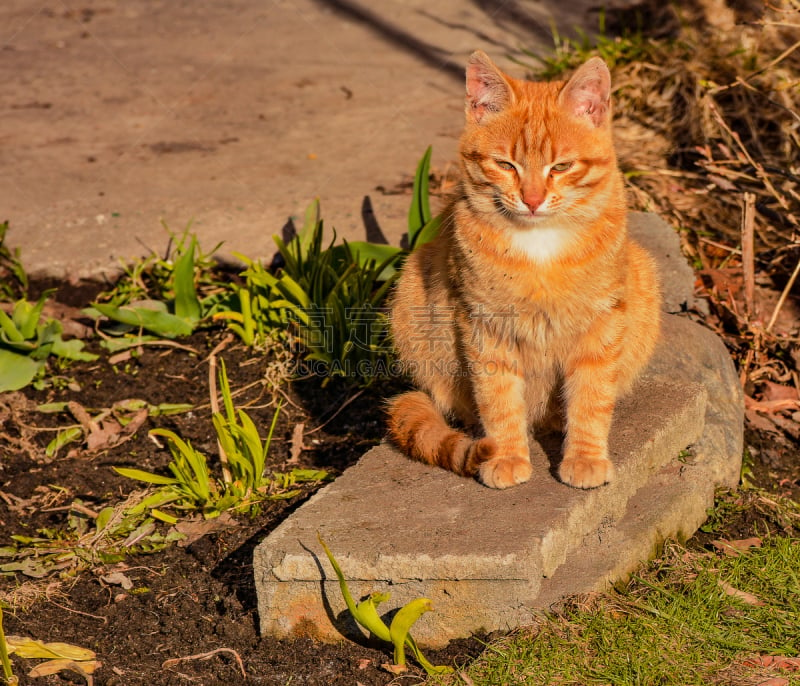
488 558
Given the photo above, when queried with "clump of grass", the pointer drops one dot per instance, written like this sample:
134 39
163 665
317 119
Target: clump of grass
688 618
164 297
154 276
330 297
244 483
28 339
89 538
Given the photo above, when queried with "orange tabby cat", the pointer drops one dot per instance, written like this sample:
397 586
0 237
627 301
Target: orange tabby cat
532 302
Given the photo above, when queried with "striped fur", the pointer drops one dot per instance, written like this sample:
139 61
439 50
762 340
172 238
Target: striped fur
532 300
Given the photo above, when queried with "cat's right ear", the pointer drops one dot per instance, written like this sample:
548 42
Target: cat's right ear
487 89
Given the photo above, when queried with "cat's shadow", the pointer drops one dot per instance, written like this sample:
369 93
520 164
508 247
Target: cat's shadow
547 441
550 442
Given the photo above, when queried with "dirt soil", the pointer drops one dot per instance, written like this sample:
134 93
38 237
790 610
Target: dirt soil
189 614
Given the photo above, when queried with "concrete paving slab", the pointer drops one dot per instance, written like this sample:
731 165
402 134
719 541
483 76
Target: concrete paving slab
484 557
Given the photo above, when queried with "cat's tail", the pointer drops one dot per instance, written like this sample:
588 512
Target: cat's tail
418 429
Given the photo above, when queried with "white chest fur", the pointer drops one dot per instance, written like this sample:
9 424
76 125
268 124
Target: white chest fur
542 243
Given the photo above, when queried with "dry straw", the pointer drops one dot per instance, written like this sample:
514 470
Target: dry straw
708 127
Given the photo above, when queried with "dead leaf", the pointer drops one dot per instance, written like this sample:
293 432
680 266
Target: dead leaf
118 579
56 666
759 421
791 664
789 426
735 548
724 184
109 433
776 681
123 356
744 596
195 529
103 436
394 669
775 391
364 662
770 406
728 280
79 412
296 445
136 422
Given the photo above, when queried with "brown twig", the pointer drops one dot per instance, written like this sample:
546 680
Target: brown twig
77 612
761 173
748 253
296 446
206 656
76 507
212 395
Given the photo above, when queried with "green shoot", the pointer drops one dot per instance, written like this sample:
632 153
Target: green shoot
398 633
5 660
422 227
161 297
13 278
26 341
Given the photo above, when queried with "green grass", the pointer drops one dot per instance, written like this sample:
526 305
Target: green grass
569 53
690 617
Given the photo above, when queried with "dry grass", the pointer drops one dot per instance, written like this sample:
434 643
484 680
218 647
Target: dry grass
713 113
708 127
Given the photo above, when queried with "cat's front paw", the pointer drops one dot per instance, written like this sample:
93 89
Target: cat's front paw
586 472
503 472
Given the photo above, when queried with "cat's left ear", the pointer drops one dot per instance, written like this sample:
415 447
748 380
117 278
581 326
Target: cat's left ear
588 92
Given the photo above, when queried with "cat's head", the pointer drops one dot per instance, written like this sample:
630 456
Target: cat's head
536 152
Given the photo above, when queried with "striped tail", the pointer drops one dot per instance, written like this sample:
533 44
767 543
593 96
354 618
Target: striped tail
418 429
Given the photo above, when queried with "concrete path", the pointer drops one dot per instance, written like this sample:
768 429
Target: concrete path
488 559
232 113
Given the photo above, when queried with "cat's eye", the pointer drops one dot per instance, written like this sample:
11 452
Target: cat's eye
561 167
507 166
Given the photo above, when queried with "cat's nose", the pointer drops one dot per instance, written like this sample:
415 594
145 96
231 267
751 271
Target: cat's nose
532 201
